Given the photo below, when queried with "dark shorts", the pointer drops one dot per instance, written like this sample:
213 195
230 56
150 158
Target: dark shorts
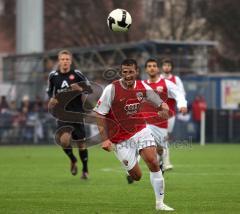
77 129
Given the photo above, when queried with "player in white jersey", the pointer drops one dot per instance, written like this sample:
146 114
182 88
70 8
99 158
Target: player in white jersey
167 69
123 127
166 90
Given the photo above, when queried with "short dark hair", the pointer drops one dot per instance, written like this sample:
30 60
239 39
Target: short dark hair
151 60
167 60
129 62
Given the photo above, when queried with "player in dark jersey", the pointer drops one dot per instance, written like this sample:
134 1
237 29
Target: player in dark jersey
66 78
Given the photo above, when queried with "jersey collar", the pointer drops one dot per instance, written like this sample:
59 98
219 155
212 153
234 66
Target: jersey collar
158 80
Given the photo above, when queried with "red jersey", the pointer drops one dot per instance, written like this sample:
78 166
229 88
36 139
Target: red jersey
150 112
125 112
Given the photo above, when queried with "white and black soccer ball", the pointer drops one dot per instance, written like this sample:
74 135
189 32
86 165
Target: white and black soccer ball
119 20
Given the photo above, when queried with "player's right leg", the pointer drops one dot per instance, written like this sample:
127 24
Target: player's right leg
63 138
160 135
147 150
126 152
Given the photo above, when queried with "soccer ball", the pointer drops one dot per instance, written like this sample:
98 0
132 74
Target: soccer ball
119 20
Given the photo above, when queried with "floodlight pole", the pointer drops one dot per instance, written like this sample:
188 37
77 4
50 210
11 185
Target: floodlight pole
29 26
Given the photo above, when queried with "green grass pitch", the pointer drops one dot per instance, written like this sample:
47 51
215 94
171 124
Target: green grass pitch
36 179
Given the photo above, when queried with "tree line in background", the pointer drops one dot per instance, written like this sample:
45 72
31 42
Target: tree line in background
74 23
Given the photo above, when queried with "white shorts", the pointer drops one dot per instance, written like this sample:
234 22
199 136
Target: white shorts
171 123
159 134
127 151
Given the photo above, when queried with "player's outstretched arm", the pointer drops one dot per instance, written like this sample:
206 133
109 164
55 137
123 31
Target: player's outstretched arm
178 95
183 110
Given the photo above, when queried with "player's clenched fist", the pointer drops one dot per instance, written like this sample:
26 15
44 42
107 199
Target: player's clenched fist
107 145
164 107
76 87
52 103
183 110
164 112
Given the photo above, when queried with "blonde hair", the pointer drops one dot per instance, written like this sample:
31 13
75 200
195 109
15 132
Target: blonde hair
67 52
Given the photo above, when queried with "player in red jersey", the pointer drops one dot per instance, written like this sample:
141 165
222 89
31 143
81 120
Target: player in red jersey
167 69
119 105
166 90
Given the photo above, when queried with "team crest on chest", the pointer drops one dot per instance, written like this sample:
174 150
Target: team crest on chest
159 89
71 77
139 96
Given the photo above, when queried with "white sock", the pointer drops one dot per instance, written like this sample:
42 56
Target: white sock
166 156
157 182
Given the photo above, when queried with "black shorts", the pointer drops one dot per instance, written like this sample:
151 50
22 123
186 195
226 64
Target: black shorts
78 129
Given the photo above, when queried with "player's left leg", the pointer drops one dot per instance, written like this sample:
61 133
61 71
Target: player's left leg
159 135
149 155
78 135
147 149
166 155
83 154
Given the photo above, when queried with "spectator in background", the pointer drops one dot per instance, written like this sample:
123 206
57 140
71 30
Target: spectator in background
26 105
3 103
38 103
198 105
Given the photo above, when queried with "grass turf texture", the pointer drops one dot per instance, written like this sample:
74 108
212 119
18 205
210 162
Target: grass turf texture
37 180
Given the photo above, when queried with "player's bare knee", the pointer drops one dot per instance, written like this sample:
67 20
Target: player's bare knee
153 164
136 176
65 139
81 146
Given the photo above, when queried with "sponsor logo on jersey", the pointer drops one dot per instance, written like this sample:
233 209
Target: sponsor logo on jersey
71 77
64 84
131 108
139 96
159 88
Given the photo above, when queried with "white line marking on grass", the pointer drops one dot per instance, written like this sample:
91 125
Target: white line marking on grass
119 170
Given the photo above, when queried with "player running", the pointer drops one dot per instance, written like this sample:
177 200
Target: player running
166 90
122 126
167 69
59 80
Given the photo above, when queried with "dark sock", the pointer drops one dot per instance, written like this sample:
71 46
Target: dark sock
69 153
83 154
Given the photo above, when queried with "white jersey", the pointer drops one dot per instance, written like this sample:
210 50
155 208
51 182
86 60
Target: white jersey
176 80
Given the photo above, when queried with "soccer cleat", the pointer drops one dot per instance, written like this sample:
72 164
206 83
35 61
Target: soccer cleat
129 179
74 168
162 206
167 167
84 176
